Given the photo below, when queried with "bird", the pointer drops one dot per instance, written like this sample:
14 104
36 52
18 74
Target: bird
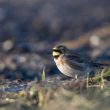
73 64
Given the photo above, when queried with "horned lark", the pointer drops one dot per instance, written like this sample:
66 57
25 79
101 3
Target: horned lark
73 64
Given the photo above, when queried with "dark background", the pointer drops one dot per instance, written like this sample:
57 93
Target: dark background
30 28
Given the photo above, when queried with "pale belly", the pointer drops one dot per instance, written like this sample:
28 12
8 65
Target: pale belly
68 71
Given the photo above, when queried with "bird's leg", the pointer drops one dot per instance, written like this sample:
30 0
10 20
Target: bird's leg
75 78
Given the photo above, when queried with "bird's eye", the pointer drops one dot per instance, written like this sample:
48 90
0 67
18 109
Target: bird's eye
62 50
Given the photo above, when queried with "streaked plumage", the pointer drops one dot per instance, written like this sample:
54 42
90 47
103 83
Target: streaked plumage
73 64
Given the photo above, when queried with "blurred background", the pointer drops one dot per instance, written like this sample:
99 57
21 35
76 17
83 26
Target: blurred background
30 28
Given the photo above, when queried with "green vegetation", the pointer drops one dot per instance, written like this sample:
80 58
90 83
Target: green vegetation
58 96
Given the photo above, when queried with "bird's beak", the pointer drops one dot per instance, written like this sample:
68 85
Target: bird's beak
55 52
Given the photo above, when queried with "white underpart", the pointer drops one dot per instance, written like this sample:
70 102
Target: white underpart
66 69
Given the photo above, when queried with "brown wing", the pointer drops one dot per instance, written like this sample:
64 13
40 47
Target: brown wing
99 65
75 57
75 61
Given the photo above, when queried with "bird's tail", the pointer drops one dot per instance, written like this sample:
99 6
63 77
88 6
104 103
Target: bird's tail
100 65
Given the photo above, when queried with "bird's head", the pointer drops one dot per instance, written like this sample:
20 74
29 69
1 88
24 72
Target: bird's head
59 50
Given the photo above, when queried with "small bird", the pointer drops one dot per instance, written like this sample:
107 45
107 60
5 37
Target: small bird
73 64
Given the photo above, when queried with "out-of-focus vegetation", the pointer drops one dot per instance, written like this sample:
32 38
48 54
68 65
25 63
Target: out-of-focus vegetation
57 95
28 31
53 96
